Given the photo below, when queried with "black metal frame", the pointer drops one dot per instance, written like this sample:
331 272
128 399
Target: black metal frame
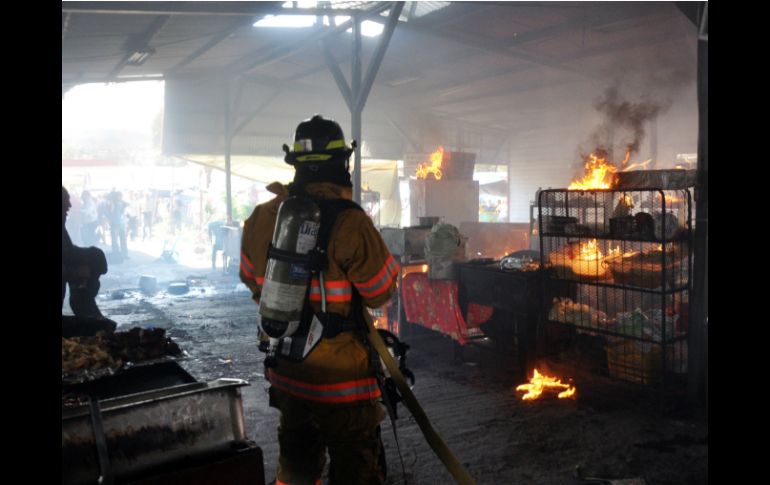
633 299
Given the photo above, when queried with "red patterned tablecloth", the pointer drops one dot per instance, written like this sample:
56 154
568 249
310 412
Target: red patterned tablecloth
433 304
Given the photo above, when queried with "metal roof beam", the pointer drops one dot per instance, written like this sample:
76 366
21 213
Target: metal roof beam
450 13
494 47
239 67
374 64
264 104
593 16
172 8
339 78
215 40
65 21
412 143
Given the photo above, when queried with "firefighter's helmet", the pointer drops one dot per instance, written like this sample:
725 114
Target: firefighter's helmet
318 140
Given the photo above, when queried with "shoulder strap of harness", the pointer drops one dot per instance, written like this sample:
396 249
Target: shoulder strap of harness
317 261
330 210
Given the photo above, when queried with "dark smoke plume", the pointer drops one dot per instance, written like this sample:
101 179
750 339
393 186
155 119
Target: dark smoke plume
621 113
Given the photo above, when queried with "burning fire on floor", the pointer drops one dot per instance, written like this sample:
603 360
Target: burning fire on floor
539 383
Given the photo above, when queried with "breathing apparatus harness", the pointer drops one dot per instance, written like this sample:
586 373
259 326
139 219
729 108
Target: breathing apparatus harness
295 339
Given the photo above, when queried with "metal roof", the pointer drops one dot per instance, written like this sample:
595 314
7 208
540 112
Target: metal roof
474 75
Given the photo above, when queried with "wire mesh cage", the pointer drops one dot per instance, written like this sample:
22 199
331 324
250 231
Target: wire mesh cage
628 252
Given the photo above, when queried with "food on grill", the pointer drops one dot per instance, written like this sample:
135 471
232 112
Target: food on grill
140 344
80 353
115 350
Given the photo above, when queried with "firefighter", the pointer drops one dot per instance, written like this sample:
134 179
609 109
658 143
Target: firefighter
329 399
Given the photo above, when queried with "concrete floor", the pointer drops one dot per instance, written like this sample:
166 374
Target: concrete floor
610 430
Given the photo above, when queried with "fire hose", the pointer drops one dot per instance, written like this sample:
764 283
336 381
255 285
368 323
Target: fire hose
450 461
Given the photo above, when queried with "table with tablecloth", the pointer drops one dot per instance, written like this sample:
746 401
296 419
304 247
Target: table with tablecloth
434 304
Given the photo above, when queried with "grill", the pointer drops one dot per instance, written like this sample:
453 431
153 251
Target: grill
131 435
151 420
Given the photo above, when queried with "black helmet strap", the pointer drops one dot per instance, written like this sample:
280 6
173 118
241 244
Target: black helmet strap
335 172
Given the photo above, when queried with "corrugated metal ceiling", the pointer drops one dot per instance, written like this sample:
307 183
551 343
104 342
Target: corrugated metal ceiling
464 66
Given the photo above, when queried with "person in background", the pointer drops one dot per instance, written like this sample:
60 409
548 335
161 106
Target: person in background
176 213
103 214
75 219
81 268
217 238
133 212
117 217
148 214
90 219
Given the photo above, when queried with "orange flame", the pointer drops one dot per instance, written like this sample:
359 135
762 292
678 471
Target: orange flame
589 251
540 382
635 166
624 163
435 166
589 260
411 268
598 174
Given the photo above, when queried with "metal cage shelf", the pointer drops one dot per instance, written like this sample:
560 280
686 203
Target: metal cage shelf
628 255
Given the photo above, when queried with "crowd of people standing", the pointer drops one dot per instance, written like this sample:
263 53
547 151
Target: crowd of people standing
112 219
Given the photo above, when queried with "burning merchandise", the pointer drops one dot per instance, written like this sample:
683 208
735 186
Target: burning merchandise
434 168
624 206
599 173
644 269
444 187
539 383
583 260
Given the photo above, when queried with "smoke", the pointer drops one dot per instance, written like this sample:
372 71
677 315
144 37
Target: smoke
622 126
631 115
653 79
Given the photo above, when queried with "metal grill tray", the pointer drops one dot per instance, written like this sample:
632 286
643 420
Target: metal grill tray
147 429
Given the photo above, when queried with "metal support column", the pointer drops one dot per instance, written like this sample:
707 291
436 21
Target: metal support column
357 108
355 96
698 328
228 142
654 142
